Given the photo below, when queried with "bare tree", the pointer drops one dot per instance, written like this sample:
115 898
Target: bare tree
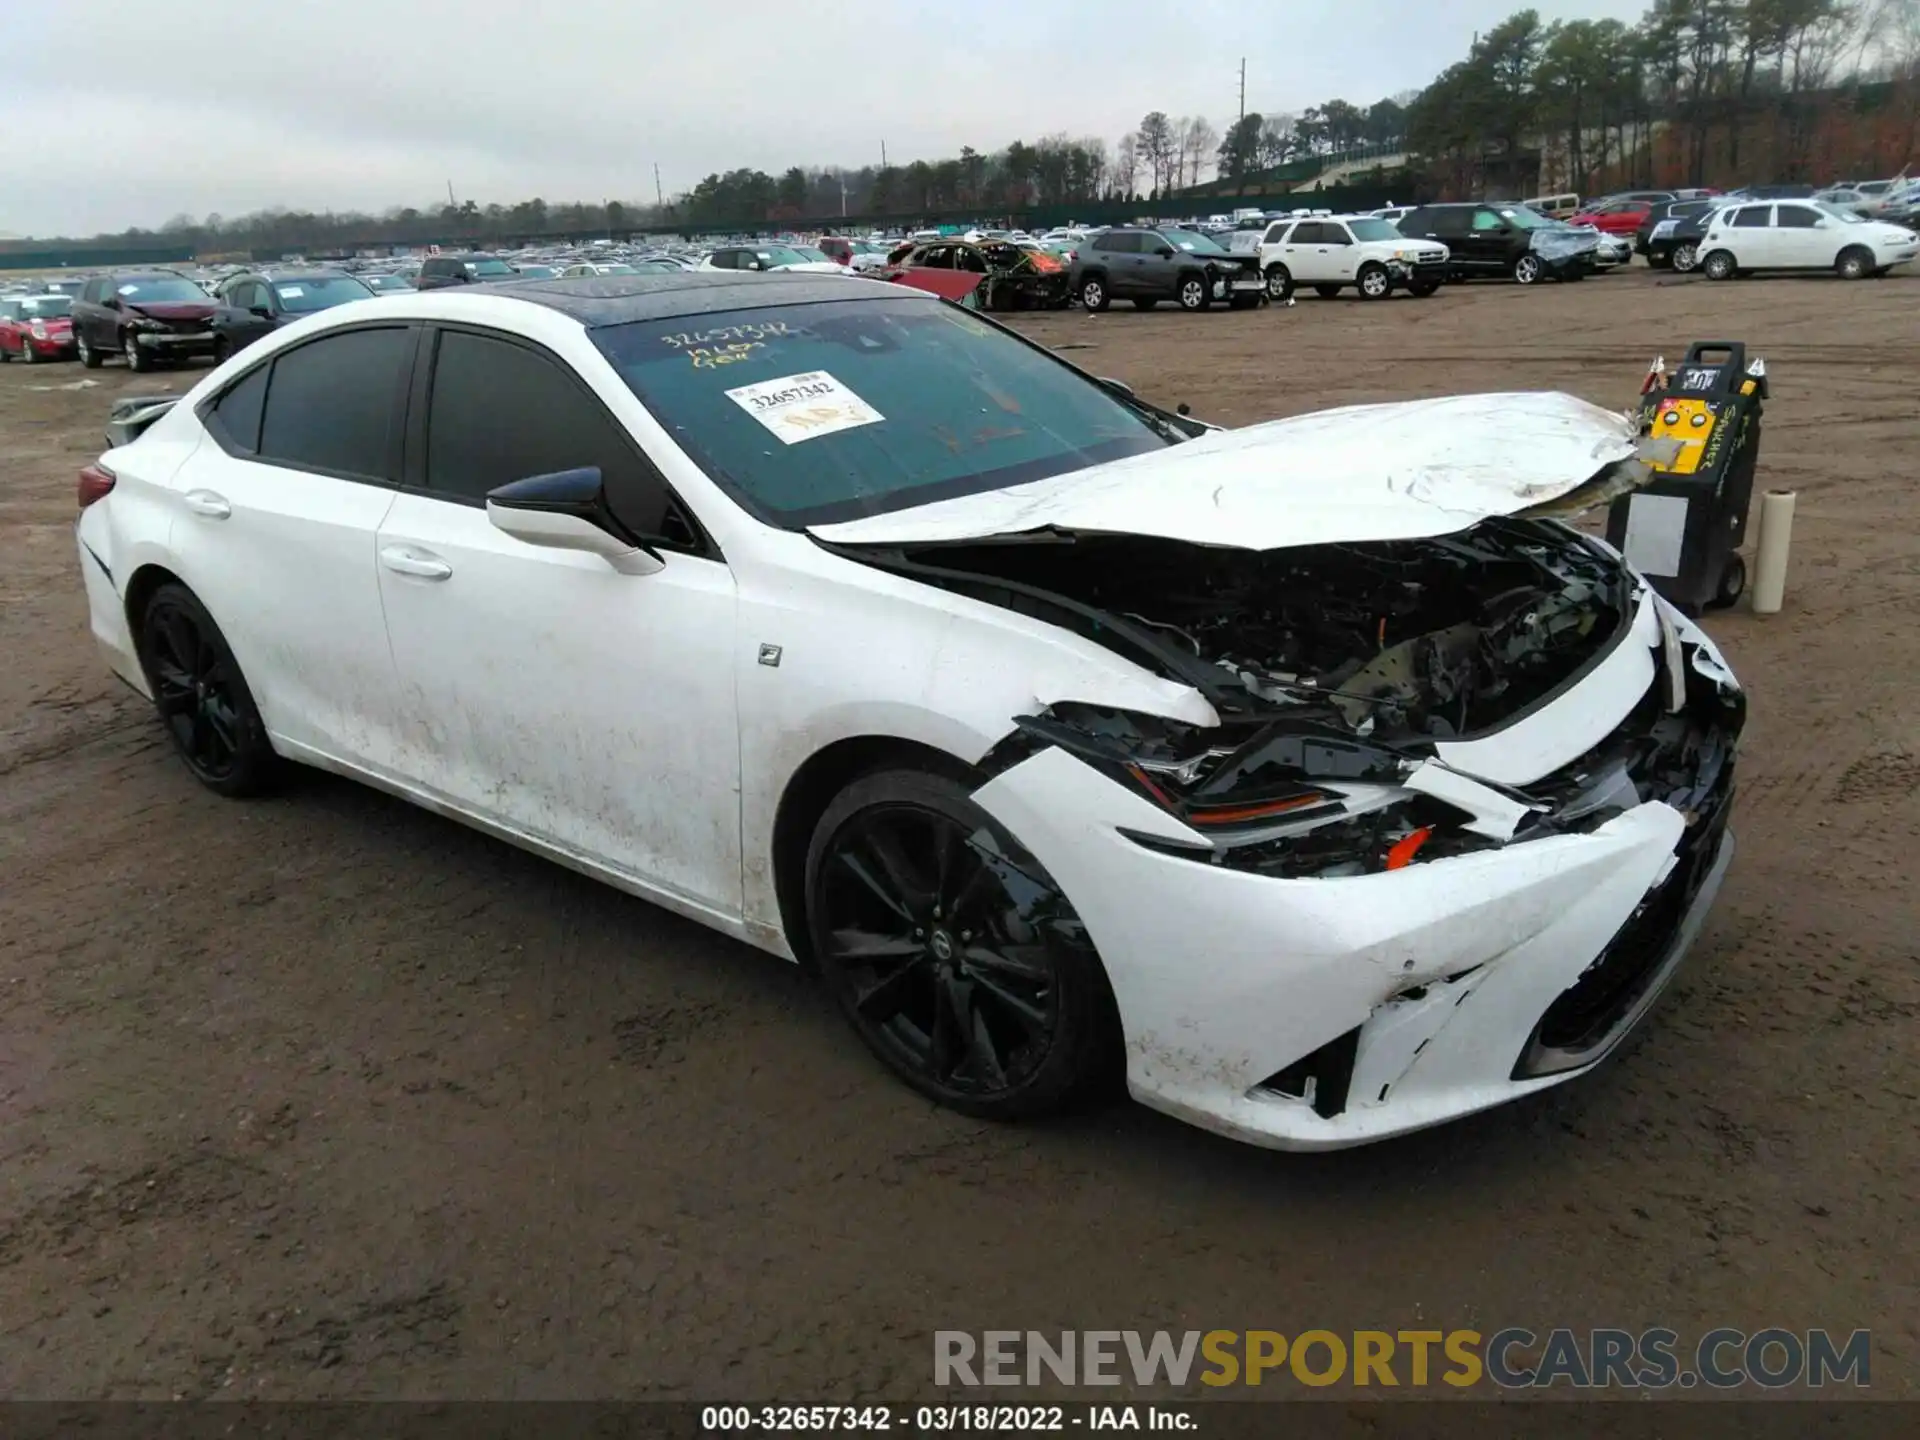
1198 141
1159 147
1126 164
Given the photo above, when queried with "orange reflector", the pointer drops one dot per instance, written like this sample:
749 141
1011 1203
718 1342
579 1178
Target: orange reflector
1234 814
1406 847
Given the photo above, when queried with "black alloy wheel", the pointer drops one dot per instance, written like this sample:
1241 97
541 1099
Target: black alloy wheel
953 953
201 696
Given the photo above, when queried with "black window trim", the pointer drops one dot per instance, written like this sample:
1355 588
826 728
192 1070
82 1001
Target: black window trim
413 473
395 441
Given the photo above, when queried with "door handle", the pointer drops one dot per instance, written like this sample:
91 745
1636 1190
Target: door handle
205 502
405 560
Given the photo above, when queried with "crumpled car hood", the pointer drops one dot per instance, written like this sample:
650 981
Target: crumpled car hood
1400 471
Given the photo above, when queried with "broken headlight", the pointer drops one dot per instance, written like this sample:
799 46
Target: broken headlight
1267 798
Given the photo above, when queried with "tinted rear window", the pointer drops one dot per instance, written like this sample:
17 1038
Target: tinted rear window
334 403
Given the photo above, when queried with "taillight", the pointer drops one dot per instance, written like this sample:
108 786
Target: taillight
95 482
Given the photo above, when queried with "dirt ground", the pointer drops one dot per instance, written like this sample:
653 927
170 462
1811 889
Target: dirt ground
325 1096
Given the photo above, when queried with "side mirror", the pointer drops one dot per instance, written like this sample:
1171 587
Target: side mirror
261 311
567 510
1165 252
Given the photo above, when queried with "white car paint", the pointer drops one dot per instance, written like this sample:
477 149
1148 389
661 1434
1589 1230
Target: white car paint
410 643
1323 250
1396 471
1802 235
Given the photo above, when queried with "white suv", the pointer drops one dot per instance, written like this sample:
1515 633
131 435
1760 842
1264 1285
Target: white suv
1330 252
1801 235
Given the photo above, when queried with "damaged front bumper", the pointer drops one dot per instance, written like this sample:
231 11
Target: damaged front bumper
1314 1013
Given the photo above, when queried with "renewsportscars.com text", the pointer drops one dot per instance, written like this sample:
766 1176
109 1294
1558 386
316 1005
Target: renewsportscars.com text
1513 1358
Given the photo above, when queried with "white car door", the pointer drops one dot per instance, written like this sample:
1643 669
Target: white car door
1749 234
1339 251
1804 238
542 689
279 512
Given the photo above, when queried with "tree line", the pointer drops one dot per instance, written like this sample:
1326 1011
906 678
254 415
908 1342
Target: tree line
1711 89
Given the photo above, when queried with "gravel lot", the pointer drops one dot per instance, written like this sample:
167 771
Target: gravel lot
325 1096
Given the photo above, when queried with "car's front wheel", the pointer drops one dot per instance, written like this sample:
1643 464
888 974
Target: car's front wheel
201 695
1527 269
137 359
952 951
222 349
27 354
1855 264
1375 283
1093 292
1193 292
89 356
1279 282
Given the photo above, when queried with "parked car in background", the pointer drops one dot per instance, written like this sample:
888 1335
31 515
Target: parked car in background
36 327
1614 217
1488 241
149 316
439 271
992 274
387 284
1609 250
253 304
542 272
767 258
70 288
1148 266
591 267
1802 235
1363 252
1557 207
1655 238
854 254
1772 192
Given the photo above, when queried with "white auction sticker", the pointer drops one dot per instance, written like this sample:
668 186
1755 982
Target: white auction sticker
799 407
290 292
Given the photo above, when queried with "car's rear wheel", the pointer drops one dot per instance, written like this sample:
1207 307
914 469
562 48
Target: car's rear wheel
1193 292
1093 292
137 358
1685 256
1279 282
89 356
1145 304
1375 283
1855 263
1719 266
1527 269
953 953
202 697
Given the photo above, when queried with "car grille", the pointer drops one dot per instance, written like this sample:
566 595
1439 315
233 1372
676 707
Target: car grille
1429 257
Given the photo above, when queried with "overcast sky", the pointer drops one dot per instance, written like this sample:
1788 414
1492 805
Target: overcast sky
120 114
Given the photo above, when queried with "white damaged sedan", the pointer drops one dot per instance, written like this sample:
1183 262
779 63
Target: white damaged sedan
1311 774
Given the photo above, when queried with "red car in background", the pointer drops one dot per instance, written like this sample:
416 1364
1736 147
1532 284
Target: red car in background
36 327
1615 217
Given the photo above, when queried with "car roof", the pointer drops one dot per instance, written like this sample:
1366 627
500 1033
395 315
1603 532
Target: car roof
596 300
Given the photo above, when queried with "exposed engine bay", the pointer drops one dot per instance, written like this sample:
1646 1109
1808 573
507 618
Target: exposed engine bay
1391 640
1336 670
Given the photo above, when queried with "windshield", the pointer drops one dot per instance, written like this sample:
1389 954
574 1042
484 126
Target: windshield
810 414
808 252
387 282
308 293
1373 230
782 255
488 267
140 291
1837 213
1522 218
45 307
1192 242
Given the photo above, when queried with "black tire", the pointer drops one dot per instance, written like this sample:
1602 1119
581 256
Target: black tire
27 357
1145 304
1192 292
1279 282
89 356
1732 584
1527 270
933 929
1855 263
1326 292
201 696
1244 302
1719 266
1684 257
1093 292
222 349
1424 289
138 360
1374 282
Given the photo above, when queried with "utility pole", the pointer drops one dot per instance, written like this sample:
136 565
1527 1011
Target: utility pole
659 195
883 154
450 200
1243 87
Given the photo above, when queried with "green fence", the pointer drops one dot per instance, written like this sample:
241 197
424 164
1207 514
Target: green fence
88 259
